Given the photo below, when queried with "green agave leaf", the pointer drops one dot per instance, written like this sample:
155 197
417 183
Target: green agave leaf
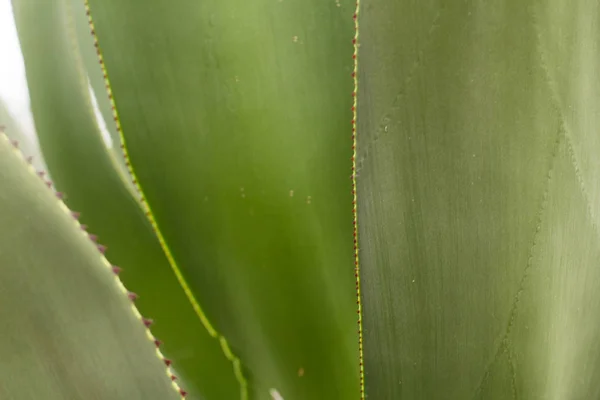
68 329
236 117
84 171
478 232
14 132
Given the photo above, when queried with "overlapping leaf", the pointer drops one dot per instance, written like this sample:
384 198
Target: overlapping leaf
68 330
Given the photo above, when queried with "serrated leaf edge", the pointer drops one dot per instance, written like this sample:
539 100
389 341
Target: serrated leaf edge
113 268
354 206
83 77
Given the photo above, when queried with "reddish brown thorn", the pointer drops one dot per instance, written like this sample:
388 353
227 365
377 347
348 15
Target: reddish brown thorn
29 159
116 270
41 174
49 184
182 392
173 378
59 195
167 362
93 238
76 215
102 248
147 321
83 227
157 342
132 296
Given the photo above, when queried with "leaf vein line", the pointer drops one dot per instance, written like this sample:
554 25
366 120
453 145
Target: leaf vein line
418 61
503 345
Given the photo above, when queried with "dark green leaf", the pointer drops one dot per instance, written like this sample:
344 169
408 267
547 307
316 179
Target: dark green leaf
236 116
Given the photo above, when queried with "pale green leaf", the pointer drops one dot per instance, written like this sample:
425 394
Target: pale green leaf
68 329
477 193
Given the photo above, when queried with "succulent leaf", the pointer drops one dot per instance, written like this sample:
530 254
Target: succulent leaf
477 191
68 329
236 118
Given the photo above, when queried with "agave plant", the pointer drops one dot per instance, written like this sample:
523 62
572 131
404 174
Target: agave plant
313 200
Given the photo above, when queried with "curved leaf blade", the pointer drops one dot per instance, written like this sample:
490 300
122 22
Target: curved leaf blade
69 331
